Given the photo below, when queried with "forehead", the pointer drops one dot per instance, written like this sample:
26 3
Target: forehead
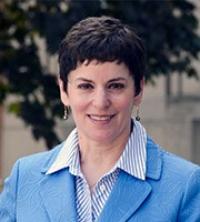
96 69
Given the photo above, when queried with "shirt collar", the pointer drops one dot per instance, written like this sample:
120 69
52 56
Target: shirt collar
132 160
68 155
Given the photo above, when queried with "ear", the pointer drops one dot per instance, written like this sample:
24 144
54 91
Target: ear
138 97
63 94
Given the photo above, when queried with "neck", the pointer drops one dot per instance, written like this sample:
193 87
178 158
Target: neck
96 158
96 154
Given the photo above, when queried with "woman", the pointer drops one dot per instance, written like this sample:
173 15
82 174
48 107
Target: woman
108 169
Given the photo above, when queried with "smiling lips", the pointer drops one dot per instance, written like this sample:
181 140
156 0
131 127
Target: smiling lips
101 118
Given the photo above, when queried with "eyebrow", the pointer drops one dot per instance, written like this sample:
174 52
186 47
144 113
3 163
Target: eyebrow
117 79
111 80
83 79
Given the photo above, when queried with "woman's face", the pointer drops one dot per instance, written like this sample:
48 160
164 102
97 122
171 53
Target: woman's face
101 97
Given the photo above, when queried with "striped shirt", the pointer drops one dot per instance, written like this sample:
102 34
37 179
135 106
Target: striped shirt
91 202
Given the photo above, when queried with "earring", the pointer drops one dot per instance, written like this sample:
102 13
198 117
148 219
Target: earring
137 114
66 112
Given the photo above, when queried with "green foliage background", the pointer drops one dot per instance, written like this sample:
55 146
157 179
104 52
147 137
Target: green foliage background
167 27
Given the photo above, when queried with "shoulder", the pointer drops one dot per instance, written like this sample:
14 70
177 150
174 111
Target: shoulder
24 178
38 162
176 178
31 168
171 164
178 164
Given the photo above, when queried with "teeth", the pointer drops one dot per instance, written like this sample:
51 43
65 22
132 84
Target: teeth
100 118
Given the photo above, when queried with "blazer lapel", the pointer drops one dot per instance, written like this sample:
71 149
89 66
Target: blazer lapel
58 196
129 193
126 197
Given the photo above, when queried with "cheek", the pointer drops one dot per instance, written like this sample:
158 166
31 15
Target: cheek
78 106
125 103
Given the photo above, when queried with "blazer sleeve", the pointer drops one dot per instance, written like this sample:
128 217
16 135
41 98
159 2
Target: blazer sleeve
190 207
8 196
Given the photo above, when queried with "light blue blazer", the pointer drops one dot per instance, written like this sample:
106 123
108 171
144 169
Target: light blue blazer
170 193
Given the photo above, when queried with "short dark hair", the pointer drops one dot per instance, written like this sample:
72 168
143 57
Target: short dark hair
103 39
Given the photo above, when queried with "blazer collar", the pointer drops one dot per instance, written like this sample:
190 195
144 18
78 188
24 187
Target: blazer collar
154 160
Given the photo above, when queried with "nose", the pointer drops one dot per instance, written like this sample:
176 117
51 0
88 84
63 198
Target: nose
101 99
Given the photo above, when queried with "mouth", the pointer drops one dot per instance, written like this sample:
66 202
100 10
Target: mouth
101 118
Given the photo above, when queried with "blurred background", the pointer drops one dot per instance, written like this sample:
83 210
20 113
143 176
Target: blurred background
30 108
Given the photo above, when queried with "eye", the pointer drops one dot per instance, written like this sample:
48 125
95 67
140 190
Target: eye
117 86
85 86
